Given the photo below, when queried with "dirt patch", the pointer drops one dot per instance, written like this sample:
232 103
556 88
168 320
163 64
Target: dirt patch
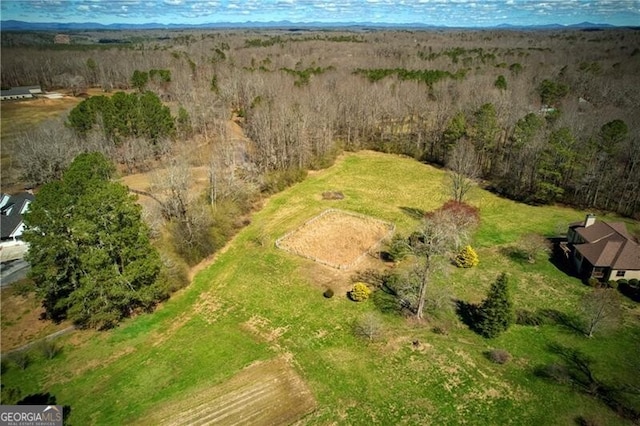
264 393
209 308
336 238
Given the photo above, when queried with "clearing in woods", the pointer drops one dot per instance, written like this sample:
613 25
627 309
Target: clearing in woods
264 393
336 238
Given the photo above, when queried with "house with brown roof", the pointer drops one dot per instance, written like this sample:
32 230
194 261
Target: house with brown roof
604 250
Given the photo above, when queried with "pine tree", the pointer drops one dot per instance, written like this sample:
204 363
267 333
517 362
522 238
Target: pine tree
139 79
496 311
467 258
91 258
124 115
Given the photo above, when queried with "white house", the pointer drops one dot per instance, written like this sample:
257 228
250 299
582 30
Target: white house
12 207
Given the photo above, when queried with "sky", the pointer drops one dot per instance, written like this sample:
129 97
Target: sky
465 13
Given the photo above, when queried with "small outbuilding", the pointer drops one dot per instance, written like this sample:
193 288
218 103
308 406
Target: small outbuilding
24 92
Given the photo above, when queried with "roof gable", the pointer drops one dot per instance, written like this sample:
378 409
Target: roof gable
11 211
599 231
608 245
628 257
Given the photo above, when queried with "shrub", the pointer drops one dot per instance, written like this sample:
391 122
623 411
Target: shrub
498 356
632 292
49 349
398 248
464 215
612 284
20 359
593 282
328 293
386 303
359 292
633 282
531 245
332 195
466 258
441 329
368 326
23 287
501 83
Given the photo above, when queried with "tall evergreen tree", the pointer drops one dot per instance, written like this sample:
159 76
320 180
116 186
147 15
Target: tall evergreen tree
496 311
91 258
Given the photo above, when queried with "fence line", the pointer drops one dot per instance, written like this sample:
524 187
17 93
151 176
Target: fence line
35 342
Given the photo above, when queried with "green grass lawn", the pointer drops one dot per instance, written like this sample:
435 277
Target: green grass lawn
257 302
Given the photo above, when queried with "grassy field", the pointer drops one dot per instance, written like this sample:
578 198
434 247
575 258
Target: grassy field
259 303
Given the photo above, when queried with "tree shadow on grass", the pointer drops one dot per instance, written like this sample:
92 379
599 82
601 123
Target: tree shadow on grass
469 314
569 322
413 212
575 370
515 254
46 399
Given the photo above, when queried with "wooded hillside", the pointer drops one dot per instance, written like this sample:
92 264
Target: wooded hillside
553 116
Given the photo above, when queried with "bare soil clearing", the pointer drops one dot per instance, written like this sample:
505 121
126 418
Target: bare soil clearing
336 238
264 393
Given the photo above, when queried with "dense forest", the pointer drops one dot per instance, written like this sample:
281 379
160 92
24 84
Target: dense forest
547 116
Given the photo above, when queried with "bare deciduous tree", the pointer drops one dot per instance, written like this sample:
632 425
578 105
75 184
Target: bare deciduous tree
43 153
532 245
600 309
438 236
369 327
463 167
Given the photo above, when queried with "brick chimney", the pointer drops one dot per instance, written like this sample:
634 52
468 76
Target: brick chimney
589 220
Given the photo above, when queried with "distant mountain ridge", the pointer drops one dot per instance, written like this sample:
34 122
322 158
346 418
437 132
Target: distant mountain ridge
13 25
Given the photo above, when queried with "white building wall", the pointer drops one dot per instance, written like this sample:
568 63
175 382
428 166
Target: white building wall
628 275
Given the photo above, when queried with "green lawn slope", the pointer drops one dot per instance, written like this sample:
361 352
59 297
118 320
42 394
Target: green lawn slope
257 302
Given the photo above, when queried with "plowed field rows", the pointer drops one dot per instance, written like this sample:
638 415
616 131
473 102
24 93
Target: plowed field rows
266 393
